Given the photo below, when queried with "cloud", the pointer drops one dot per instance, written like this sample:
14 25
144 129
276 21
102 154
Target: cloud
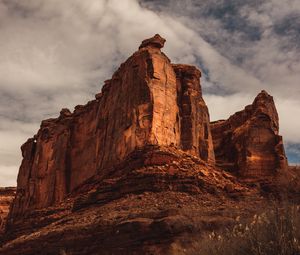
254 45
294 152
289 110
8 175
58 53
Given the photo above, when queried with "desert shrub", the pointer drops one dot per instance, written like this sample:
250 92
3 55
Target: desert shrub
275 232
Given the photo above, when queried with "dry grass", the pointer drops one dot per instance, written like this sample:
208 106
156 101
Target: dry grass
274 232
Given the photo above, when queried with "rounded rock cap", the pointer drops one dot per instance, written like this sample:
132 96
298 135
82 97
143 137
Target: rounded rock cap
156 41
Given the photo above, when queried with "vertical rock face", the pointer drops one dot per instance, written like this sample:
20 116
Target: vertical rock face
6 198
248 142
148 101
194 117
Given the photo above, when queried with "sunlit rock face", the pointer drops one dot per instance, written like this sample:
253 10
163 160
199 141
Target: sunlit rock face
148 101
249 142
195 134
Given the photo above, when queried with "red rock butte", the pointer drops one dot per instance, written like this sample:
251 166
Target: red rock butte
145 140
148 101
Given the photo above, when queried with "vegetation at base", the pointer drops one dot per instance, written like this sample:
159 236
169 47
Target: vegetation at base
275 232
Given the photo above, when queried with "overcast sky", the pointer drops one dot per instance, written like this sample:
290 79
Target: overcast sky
56 54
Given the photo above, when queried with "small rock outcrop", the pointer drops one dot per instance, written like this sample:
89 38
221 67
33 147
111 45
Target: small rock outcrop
249 143
6 197
148 101
156 41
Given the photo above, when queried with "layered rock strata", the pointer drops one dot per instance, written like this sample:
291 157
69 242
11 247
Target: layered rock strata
249 143
148 101
152 203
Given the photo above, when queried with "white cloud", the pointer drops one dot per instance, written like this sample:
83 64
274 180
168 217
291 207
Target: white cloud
222 107
289 112
8 175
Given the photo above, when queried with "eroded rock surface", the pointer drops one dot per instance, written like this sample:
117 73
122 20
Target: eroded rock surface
133 171
249 143
148 101
195 132
6 197
152 203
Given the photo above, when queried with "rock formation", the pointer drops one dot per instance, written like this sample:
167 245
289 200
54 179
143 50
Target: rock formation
195 135
133 171
249 143
6 197
148 101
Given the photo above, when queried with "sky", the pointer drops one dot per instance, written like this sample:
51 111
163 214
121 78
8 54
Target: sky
56 54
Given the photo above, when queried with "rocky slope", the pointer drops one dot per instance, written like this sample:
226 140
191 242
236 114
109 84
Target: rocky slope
149 204
133 171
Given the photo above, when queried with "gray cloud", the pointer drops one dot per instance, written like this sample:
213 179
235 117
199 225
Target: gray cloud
57 54
255 45
294 151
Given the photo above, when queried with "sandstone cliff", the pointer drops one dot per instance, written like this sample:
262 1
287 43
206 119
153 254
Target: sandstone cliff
133 171
249 143
147 101
195 135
